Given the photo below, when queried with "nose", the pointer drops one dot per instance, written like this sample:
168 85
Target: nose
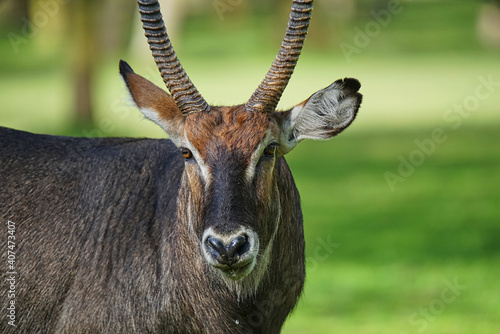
229 251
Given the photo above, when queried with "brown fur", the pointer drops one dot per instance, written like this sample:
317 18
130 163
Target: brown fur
233 128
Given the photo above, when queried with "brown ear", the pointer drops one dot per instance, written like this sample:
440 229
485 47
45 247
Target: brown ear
156 104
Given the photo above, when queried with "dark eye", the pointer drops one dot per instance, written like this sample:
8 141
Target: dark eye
187 154
270 150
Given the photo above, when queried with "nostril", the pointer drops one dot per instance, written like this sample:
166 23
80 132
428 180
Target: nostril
218 246
238 245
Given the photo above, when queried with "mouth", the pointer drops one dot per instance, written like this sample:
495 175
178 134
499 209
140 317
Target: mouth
237 271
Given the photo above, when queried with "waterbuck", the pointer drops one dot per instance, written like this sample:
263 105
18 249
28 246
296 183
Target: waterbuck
201 233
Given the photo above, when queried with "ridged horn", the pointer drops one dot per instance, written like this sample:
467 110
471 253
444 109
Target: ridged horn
186 96
268 94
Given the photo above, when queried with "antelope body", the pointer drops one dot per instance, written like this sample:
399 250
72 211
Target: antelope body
201 233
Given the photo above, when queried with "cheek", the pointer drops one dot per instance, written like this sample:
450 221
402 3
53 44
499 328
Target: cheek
264 182
195 197
196 185
268 203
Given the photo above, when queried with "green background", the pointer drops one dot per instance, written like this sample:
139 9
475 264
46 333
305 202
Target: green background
397 244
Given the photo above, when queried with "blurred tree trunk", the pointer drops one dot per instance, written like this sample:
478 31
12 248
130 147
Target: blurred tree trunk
20 11
115 25
97 29
488 25
85 49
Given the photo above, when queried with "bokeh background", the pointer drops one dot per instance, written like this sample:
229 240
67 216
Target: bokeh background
401 211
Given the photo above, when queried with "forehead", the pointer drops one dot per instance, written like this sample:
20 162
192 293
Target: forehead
229 128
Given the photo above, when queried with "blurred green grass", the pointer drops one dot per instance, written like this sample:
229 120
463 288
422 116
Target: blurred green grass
394 250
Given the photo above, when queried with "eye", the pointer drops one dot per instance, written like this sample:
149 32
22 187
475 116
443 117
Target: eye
187 154
270 150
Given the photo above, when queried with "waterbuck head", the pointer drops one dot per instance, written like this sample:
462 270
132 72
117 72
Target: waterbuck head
230 193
